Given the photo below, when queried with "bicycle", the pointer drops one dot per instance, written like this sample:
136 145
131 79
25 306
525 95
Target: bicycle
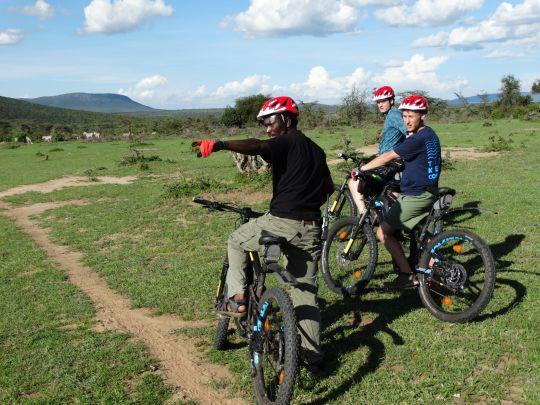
455 268
269 324
379 195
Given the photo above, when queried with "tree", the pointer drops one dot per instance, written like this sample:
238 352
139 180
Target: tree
311 114
535 89
353 109
248 107
510 94
484 99
231 118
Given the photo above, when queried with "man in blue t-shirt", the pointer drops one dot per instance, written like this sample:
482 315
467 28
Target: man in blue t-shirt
394 132
421 154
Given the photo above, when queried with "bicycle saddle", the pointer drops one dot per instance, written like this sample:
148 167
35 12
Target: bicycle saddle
268 238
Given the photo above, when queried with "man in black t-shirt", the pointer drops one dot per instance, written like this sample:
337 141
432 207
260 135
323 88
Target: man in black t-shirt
301 183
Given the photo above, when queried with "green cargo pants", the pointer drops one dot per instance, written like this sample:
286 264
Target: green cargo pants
302 255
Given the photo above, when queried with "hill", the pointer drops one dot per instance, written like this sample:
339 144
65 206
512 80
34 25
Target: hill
107 103
491 98
13 109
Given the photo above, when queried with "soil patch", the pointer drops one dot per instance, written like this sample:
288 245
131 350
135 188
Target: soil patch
70 181
181 363
239 197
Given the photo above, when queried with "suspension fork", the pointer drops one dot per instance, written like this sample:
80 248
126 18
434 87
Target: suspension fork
339 201
356 230
221 285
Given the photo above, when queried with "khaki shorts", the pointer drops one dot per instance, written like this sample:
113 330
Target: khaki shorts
409 210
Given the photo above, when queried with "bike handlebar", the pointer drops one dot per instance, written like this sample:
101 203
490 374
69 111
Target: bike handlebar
359 160
219 206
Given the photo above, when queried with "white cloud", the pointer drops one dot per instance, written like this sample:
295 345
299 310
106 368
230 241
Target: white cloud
146 88
115 16
320 86
420 73
249 85
312 17
435 40
503 54
427 13
11 36
40 9
517 24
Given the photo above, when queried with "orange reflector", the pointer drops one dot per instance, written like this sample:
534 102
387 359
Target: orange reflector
447 301
281 376
342 235
457 248
266 326
357 274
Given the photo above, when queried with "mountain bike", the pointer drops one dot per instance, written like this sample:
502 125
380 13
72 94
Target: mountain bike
351 272
269 324
455 268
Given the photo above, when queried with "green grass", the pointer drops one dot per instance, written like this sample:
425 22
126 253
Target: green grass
49 352
165 254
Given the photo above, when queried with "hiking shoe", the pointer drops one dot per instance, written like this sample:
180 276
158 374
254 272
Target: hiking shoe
403 280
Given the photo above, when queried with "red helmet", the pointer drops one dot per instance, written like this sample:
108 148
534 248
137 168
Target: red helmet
414 103
382 93
277 105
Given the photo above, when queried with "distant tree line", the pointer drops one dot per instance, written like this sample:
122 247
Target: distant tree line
19 119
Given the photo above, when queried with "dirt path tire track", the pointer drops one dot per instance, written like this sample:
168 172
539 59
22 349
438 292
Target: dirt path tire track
181 364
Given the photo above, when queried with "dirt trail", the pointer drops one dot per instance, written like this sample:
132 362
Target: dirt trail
181 364
69 181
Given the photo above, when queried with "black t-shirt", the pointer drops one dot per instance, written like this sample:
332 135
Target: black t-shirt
299 176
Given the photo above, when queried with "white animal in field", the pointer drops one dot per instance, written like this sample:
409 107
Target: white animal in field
47 138
91 136
27 140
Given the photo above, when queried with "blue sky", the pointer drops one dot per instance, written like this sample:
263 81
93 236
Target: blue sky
191 54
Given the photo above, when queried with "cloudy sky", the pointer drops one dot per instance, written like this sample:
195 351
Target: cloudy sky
191 54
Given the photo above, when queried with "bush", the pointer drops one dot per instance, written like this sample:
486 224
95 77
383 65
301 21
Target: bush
138 157
487 124
497 114
498 144
191 187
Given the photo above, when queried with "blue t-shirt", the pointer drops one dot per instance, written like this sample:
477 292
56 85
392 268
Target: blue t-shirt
394 131
421 153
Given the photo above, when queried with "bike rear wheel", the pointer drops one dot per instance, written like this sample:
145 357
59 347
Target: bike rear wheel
457 276
348 262
274 348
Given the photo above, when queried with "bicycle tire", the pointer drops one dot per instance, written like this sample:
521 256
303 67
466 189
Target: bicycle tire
222 332
345 204
336 269
452 281
276 357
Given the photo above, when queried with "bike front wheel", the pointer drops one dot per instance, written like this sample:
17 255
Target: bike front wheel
341 204
457 276
349 256
274 348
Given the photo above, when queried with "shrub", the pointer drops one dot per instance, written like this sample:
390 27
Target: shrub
186 187
498 144
137 156
487 124
56 150
497 114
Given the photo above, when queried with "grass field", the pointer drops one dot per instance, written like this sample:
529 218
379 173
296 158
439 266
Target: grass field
165 253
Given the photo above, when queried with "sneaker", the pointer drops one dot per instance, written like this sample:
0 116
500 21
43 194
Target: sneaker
403 280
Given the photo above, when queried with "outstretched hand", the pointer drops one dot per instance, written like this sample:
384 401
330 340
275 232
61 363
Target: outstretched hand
205 147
